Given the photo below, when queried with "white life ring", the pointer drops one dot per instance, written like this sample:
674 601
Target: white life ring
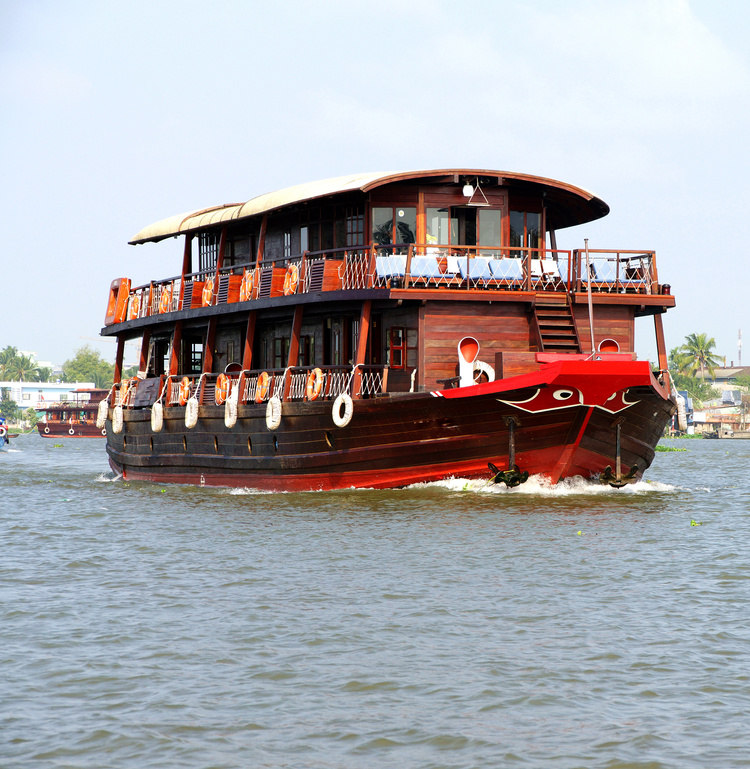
339 419
191 413
104 432
46 430
273 412
101 414
480 367
3 431
157 417
230 408
117 419
71 431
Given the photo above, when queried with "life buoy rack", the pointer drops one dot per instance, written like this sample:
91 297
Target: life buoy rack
291 280
341 418
208 292
223 389
117 304
314 384
184 391
165 301
261 389
246 286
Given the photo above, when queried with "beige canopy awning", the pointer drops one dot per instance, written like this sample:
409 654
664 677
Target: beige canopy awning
588 206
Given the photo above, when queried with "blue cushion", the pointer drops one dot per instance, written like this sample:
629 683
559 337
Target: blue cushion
507 269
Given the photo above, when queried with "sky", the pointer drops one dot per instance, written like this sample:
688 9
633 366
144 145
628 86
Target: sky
114 115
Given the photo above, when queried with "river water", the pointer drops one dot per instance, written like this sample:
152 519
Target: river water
447 625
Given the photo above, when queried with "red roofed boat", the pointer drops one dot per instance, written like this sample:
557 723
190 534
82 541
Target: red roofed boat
384 329
75 418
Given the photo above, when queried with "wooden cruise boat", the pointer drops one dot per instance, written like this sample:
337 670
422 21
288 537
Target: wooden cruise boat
74 418
384 329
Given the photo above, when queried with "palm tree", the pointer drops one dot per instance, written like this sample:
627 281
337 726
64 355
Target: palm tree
698 348
6 358
679 361
43 373
23 368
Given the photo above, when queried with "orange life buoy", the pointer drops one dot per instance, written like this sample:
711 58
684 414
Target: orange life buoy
291 279
184 393
246 287
223 388
135 307
208 292
314 384
165 300
261 390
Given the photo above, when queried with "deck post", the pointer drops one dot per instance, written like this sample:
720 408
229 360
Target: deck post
174 358
661 347
364 334
293 358
145 343
208 352
118 358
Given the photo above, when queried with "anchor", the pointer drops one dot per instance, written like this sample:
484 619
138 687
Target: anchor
513 476
616 479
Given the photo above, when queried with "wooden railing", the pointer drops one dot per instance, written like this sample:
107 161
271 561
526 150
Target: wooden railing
402 266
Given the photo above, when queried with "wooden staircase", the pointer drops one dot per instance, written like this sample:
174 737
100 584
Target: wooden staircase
555 324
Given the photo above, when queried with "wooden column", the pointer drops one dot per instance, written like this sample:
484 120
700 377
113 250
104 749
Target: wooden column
143 364
364 335
219 262
261 240
293 358
187 267
118 358
247 354
174 359
661 347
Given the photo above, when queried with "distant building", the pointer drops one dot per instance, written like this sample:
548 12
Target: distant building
36 395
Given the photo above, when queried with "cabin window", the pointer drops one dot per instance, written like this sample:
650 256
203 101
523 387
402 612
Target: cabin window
525 228
303 239
490 227
307 350
355 227
394 225
195 357
397 347
287 243
280 351
438 226
208 251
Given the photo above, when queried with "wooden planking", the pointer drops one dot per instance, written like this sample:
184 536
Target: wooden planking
610 322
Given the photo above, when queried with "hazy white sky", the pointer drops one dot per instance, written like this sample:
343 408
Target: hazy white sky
115 114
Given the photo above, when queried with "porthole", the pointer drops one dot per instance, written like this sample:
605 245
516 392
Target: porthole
184 442
124 441
216 443
249 446
329 439
275 443
151 444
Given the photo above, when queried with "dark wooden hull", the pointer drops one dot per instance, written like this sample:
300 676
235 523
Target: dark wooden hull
402 439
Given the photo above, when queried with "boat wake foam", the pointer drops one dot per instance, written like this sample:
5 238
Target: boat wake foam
539 485
108 477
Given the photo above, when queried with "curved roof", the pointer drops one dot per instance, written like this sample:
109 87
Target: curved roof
566 204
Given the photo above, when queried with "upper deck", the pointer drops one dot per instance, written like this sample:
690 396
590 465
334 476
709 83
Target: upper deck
441 235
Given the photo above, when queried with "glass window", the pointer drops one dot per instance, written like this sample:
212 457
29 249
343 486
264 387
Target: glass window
438 226
397 347
490 227
394 225
525 229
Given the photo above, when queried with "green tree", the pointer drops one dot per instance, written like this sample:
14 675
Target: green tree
8 407
22 369
699 348
88 366
43 374
31 417
6 358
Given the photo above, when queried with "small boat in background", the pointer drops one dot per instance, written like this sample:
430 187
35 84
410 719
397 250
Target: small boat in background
4 434
74 418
